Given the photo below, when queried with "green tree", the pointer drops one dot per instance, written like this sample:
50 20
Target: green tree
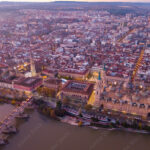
88 107
89 75
52 113
59 105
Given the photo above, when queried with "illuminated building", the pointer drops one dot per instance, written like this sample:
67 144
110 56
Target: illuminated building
33 70
78 90
81 75
99 90
52 83
27 84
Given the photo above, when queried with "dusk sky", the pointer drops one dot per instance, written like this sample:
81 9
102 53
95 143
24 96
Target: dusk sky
80 0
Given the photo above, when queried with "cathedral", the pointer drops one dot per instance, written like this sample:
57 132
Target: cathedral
100 86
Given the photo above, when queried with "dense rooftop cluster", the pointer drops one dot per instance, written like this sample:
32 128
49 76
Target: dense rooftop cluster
76 41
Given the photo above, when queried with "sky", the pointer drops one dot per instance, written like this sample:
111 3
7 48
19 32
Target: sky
79 0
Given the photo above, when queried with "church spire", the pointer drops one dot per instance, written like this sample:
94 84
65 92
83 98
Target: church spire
104 68
99 76
99 89
32 64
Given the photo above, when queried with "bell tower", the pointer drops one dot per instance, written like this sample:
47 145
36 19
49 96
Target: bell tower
103 74
33 70
99 89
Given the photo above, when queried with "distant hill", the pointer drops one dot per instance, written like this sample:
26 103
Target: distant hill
116 8
103 3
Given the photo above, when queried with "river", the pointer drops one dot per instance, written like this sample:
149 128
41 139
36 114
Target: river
42 133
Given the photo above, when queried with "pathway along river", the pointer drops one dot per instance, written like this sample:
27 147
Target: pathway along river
42 133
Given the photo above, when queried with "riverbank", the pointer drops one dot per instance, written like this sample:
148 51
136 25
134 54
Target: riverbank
73 117
94 125
43 133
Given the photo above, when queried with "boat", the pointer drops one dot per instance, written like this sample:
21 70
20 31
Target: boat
70 120
86 116
93 127
22 116
86 123
10 130
72 112
103 122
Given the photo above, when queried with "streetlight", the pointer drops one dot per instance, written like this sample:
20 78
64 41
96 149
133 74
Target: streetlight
115 83
141 86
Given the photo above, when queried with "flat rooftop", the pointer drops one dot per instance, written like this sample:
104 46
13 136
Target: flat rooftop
28 81
78 87
53 81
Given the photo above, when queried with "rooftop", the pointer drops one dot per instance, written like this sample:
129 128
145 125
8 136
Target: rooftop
53 81
78 87
28 81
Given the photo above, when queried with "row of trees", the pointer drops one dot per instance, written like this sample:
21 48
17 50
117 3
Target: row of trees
68 101
44 91
13 94
58 111
48 111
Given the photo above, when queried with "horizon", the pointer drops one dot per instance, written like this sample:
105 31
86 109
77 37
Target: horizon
44 1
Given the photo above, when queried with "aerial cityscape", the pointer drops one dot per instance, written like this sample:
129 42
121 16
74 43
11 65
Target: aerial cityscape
74 70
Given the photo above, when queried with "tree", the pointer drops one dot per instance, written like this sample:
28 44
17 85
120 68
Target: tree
13 102
140 125
58 105
124 124
44 111
46 92
89 75
88 107
135 125
66 100
94 119
39 90
51 93
1 100
80 123
52 113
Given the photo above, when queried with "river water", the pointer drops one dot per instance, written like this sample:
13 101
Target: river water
42 133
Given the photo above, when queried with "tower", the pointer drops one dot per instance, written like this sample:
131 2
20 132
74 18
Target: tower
33 70
103 75
99 90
